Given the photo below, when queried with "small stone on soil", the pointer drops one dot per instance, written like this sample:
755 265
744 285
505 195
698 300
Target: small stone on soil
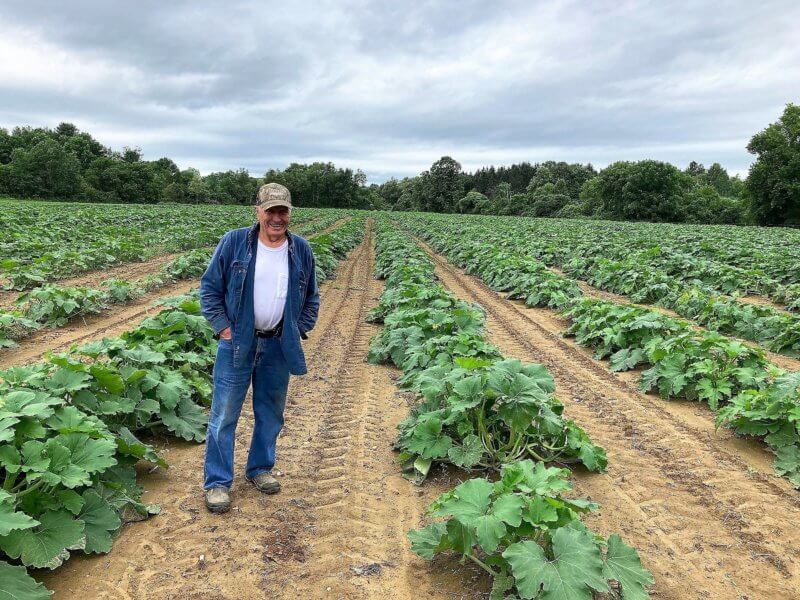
371 569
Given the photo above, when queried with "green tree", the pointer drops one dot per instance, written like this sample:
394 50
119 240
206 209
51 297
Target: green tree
572 175
704 204
198 192
648 190
695 169
442 186
549 199
774 179
390 191
44 171
124 181
322 185
131 155
232 187
473 203
6 146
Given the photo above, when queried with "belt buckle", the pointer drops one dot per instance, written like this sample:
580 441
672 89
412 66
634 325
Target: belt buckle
268 333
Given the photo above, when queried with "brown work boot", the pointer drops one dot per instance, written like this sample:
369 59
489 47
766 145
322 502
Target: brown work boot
218 500
266 483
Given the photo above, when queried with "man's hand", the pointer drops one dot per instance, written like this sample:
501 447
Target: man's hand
225 334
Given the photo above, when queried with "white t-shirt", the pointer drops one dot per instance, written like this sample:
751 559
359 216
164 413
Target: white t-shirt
271 284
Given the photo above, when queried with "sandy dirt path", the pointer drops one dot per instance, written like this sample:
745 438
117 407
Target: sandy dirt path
705 511
337 529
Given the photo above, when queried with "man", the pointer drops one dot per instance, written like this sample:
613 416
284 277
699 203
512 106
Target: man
260 295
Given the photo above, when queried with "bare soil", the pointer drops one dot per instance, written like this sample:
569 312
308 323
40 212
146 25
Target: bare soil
336 530
704 509
764 301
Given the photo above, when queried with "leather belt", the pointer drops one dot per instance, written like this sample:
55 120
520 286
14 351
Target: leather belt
268 333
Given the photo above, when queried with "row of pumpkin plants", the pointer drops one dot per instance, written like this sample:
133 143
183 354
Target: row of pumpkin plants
51 305
733 261
749 394
70 430
681 284
480 411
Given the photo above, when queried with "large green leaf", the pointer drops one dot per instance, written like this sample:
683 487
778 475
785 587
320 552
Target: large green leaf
108 378
10 458
61 470
34 458
48 544
490 530
71 500
23 403
468 454
508 508
468 502
66 381
7 423
535 478
91 455
188 421
575 570
100 520
502 584
11 519
143 355
69 419
16 584
427 542
128 444
787 463
428 440
623 565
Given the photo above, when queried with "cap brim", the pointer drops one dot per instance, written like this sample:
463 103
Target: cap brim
273 204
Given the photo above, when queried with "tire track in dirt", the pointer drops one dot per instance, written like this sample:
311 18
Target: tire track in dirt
341 454
343 502
118 319
705 522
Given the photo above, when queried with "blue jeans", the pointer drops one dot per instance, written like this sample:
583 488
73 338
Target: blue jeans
269 374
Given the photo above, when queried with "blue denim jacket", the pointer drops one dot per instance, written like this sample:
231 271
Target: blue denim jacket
226 295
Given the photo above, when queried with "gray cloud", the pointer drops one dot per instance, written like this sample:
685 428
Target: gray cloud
390 88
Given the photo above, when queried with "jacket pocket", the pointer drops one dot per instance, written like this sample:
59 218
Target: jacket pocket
236 285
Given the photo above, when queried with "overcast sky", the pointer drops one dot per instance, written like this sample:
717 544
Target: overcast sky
389 87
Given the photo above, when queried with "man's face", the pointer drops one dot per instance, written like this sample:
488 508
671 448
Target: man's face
274 221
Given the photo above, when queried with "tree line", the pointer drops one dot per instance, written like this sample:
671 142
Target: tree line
646 190
67 164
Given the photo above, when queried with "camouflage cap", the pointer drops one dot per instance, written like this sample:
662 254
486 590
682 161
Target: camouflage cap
273 194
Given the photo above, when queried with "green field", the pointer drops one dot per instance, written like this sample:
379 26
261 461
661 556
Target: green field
698 313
